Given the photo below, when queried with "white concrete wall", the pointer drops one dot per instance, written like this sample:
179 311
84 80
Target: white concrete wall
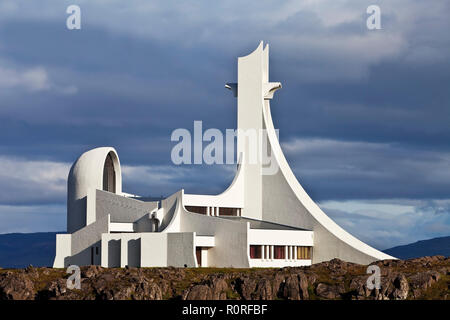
156 249
111 250
280 237
121 227
63 250
121 209
171 219
205 241
129 257
181 249
84 239
230 238
152 251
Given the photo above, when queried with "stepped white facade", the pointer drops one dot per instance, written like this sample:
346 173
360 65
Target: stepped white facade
264 219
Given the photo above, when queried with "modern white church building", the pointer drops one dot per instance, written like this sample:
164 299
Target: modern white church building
264 219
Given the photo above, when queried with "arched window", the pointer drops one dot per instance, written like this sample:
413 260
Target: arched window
109 175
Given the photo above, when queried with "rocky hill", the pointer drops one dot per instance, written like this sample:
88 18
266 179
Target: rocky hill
422 278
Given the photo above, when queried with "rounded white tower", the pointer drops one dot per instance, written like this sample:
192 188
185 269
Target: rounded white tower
95 169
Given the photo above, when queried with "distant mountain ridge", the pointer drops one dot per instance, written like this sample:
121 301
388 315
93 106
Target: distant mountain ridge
19 250
431 247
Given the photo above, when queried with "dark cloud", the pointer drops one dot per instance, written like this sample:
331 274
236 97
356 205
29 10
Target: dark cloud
134 73
332 169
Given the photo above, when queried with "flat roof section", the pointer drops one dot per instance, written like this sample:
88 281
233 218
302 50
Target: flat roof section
260 224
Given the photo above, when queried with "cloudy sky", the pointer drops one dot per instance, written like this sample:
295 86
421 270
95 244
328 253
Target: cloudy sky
364 115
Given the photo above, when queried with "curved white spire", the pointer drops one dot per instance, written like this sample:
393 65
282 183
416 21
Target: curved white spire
278 196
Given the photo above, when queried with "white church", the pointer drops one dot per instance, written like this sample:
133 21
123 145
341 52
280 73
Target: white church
261 220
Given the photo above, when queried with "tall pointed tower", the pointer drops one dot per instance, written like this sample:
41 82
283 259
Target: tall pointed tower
252 90
274 194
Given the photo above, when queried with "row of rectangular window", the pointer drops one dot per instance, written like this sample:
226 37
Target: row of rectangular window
215 211
280 252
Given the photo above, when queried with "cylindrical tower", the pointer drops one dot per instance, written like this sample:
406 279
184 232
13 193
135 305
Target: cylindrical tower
95 169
